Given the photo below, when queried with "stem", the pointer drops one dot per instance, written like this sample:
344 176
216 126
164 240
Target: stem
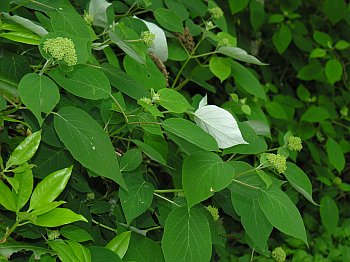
104 226
244 184
166 199
153 228
164 191
205 54
9 231
139 231
180 72
47 65
121 109
144 123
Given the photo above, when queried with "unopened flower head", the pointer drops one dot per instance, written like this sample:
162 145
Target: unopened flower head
216 12
214 212
53 234
61 49
294 143
146 100
88 18
147 37
224 42
278 161
279 255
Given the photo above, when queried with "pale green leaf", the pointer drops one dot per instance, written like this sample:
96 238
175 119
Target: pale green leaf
120 243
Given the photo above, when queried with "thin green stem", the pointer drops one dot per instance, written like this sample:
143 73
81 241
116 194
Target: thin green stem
121 109
9 231
166 199
46 66
205 54
164 191
153 228
144 123
104 226
245 184
180 72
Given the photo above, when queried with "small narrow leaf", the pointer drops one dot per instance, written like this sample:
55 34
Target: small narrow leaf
329 213
335 154
239 54
150 152
25 182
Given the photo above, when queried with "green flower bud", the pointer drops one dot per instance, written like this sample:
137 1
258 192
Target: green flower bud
53 234
278 254
224 42
278 161
337 180
146 100
214 212
216 12
147 37
61 49
88 18
90 196
294 143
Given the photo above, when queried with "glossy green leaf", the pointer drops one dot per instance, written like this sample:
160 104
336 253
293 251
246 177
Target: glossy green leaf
334 71
86 82
25 37
220 67
25 182
7 198
25 150
173 100
317 53
203 174
50 188
75 233
138 198
87 142
190 132
150 152
47 208
58 217
69 250
282 38
247 81
102 254
335 154
239 54
186 236
39 93
315 114
125 83
131 160
299 180
281 212
120 243
329 213
168 19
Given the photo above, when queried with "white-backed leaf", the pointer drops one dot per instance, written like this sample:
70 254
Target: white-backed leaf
98 10
37 29
220 124
239 54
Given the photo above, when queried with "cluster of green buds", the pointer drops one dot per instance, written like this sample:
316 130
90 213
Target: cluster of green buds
216 12
279 255
88 18
224 42
154 98
214 212
278 161
53 234
294 143
61 49
147 37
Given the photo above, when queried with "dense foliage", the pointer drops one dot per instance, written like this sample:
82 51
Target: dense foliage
174 130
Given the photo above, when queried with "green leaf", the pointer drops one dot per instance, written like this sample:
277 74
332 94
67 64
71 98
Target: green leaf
254 222
220 67
39 93
323 39
299 180
150 152
131 160
87 142
335 10
143 249
75 233
69 251
50 188
85 81
276 111
125 83
239 54
8 248
173 100
317 53
220 124
8 86
102 254
237 5
7 199
335 154
281 212
98 10
46 208
311 71
168 19
58 217
329 213
120 243
137 199
190 132
25 182
25 150
26 23
342 45
315 114
203 174
282 38
334 71
25 37
186 236
247 81
257 14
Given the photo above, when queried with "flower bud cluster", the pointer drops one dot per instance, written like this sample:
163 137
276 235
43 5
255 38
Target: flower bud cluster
214 212
147 37
216 12
278 161
61 49
294 143
278 254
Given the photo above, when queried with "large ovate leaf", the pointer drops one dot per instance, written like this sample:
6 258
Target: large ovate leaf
315 114
239 54
220 124
186 236
58 217
98 10
150 152
87 142
39 93
86 82
138 198
335 154
220 67
120 243
173 100
203 174
281 212
190 132
329 213
299 180
103 254
25 150
69 250
50 188
282 38
168 19
131 160
334 71
75 233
